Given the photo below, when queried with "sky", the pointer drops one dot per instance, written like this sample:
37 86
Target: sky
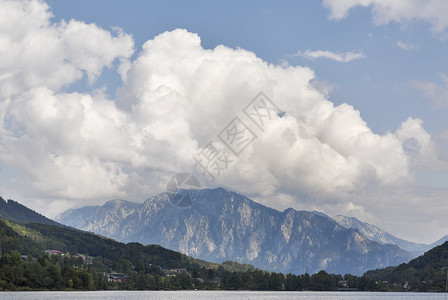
337 105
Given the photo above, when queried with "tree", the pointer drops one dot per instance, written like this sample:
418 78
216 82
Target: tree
123 265
184 280
195 273
234 281
86 279
276 282
292 283
352 280
68 274
261 280
210 274
323 281
142 281
366 284
247 281
140 266
54 280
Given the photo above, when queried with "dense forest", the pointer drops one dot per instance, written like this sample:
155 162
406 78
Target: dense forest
72 273
425 273
14 211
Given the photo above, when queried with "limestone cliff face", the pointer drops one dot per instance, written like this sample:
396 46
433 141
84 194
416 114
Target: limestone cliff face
379 235
223 225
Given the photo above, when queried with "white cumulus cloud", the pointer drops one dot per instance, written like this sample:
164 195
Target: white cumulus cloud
71 149
36 52
340 57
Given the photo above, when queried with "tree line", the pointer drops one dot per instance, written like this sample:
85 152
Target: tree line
53 272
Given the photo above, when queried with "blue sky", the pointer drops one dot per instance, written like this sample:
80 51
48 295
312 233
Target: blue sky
363 83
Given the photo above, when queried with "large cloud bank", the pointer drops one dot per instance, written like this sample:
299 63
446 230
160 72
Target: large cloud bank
58 147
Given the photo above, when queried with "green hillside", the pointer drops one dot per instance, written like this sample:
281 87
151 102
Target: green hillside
14 211
87 257
425 273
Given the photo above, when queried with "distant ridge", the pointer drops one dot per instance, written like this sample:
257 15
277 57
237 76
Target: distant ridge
223 225
14 211
377 234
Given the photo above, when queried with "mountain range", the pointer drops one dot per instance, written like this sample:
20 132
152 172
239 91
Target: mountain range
223 225
425 273
376 234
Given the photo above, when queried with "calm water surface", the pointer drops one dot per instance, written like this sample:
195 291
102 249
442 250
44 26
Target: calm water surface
219 295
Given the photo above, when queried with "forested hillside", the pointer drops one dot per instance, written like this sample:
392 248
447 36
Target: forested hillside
78 256
425 273
14 211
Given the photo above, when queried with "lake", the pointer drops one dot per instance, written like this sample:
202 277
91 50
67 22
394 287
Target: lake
219 295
